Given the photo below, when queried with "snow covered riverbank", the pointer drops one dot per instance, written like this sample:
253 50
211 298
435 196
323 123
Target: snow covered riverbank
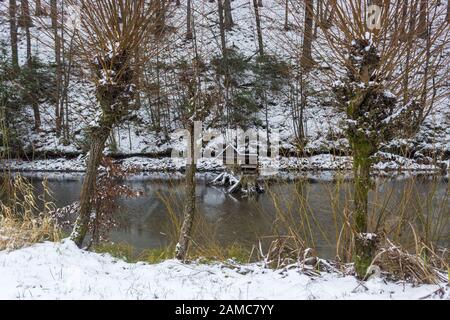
324 162
62 271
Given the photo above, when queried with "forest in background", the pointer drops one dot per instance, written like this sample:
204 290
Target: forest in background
366 79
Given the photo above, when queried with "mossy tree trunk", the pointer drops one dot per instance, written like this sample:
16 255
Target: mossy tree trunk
365 247
361 167
363 148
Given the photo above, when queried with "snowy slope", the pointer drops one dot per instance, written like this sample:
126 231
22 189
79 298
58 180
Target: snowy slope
322 122
62 271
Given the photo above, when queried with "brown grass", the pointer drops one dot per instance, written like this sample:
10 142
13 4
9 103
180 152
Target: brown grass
21 223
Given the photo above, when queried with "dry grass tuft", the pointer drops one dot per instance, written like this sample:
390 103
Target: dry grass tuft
21 223
426 266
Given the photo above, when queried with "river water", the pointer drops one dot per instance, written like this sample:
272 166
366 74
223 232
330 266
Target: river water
315 205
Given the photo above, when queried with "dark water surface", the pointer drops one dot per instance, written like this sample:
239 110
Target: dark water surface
144 222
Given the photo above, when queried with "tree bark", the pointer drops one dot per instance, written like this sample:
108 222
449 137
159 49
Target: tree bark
58 84
98 141
403 22
189 33
228 16
363 148
423 24
411 34
13 34
365 248
26 23
258 28
38 10
307 60
286 15
189 209
448 11
160 17
223 43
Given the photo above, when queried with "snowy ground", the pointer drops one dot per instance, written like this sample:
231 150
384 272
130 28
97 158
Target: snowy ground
322 122
389 163
62 271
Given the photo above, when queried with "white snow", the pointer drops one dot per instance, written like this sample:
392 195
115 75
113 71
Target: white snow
62 271
322 121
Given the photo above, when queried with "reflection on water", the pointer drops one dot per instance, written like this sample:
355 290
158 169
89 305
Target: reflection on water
144 222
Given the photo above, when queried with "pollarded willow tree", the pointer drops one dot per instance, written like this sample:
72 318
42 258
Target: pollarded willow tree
388 73
108 35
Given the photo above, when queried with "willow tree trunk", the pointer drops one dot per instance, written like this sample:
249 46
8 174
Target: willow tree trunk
98 141
361 169
307 60
189 208
13 34
258 28
228 16
365 245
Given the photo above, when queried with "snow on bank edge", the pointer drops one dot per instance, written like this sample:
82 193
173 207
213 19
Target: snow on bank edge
62 271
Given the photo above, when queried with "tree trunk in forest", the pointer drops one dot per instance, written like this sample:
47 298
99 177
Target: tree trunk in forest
324 15
286 15
258 29
365 246
189 208
223 43
13 34
307 60
26 23
404 22
160 17
98 141
222 27
228 17
189 33
411 34
423 23
361 169
58 84
363 148
448 12
38 8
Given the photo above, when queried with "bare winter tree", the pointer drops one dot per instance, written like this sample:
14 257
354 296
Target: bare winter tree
307 60
108 35
195 105
13 33
228 16
189 33
369 58
57 50
38 8
286 15
258 28
26 22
